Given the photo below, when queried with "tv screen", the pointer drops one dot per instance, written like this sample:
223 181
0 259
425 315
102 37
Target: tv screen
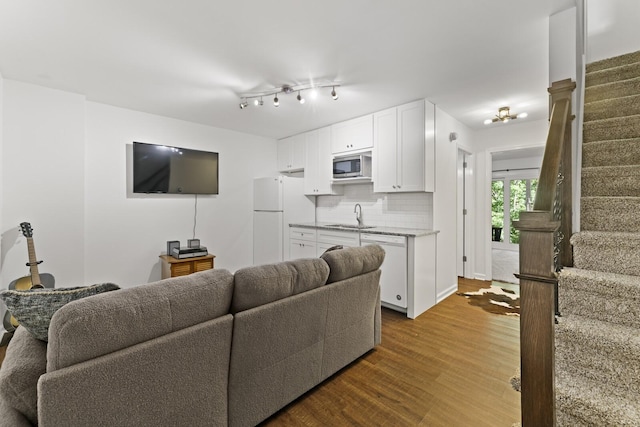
173 170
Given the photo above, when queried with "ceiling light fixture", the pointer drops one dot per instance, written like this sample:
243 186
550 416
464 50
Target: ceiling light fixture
504 115
287 89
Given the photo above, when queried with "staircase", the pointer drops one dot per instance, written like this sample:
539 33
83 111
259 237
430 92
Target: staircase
598 336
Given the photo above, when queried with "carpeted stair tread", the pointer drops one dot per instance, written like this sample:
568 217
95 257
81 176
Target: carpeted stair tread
599 351
622 72
617 152
611 252
608 297
610 214
614 128
611 181
610 108
612 90
613 62
595 404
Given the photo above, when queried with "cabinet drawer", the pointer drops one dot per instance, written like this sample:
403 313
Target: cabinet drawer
202 265
302 233
335 237
181 269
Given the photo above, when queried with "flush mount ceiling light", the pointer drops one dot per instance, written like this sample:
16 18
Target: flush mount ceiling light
504 115
287 89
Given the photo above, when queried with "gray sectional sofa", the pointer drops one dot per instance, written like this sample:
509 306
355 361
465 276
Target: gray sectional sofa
207 349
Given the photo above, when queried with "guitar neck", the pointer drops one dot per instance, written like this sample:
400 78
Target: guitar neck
33 263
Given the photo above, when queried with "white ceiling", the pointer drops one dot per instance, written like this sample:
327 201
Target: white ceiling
193 59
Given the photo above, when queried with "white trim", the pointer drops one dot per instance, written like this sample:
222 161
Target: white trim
447 292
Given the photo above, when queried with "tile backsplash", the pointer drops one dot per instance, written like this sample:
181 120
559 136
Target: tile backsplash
408 210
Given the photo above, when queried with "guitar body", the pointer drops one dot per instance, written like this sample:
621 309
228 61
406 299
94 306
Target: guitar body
35 280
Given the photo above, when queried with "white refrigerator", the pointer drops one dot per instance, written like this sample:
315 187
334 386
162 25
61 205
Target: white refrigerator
277 202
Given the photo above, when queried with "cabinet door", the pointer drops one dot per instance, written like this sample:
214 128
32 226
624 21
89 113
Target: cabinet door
298 151
291 154
284 154
411 141
385 151
301 249
325 163
351 135
311 164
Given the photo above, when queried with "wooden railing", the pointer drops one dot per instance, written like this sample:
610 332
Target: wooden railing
544 250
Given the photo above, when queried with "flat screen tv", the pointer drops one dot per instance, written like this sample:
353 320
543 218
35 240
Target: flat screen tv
173 170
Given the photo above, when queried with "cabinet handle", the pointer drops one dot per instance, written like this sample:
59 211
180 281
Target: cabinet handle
394 186
398 297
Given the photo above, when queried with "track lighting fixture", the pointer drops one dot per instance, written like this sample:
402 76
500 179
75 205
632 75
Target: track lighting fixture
504 115
287 89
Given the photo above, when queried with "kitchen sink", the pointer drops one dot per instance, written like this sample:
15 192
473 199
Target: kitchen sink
351 227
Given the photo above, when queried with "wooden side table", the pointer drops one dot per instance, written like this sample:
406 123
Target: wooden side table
174 267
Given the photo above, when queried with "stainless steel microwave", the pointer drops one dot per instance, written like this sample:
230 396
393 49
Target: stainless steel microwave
352 166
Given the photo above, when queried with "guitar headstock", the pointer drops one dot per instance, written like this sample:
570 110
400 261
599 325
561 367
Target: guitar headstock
26 229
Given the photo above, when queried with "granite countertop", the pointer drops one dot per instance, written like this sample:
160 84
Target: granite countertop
392 231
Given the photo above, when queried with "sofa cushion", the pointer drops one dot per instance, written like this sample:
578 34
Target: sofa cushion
24 363
33 308
135 315
255 286
349 262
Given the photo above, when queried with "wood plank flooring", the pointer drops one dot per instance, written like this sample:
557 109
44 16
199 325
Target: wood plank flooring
449 367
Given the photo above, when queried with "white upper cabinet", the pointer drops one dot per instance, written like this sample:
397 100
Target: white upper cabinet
318 166
404 148
399 149
352 135
291 153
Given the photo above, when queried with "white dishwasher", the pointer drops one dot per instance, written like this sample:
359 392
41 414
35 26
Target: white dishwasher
393 283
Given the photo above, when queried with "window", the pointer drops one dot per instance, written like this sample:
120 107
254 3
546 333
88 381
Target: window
510 196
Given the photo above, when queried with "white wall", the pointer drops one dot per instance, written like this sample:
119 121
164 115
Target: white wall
612 28
42 162
445 200
72 187
486 141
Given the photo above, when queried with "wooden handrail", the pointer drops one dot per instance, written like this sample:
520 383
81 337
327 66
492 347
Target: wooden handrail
544 249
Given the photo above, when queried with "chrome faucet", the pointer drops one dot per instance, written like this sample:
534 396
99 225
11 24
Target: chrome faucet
358 213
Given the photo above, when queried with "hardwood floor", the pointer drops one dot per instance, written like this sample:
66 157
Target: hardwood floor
449 367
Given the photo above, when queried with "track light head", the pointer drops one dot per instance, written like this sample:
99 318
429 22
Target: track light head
276 101
334 95
300 98
243 105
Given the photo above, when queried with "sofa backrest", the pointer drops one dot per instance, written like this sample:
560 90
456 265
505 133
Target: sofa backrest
101 324
262 284
350 262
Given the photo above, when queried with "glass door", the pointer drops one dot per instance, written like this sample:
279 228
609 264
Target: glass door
509 196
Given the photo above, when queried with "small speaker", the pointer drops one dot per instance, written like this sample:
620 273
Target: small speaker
172 244
193 243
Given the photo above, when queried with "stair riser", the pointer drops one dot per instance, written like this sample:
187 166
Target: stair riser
610 259
612 90
623 72
617 128
599 366
620 310
625 106
614 181
620 152
610 214
616 61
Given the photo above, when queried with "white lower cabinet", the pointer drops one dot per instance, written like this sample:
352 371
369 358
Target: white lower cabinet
302 243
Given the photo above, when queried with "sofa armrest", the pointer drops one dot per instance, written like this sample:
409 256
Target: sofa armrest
176 379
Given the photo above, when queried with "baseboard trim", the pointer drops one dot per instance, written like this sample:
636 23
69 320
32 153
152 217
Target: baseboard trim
449 291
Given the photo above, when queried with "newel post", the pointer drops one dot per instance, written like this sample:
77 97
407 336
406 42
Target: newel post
537 317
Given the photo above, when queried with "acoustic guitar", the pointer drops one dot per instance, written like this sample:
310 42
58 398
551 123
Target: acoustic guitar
34 280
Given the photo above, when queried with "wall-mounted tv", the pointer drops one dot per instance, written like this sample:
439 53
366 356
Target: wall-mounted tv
173 170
